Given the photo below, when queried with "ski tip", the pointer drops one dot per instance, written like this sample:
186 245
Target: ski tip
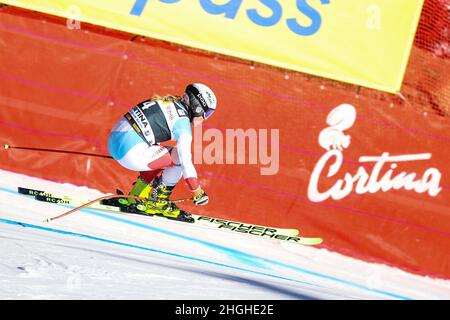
293 232
303 242
312 241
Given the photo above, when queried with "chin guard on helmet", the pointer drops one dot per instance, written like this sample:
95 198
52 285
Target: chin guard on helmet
195 107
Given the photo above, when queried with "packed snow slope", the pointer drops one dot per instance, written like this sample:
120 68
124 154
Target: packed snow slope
93 254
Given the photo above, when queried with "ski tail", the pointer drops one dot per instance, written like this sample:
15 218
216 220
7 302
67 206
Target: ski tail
87 204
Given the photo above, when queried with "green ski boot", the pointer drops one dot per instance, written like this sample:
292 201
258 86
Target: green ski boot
140 189
158 203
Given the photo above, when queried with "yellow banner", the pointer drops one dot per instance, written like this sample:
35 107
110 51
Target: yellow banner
364 42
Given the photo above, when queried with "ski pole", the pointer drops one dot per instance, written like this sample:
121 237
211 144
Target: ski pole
8 147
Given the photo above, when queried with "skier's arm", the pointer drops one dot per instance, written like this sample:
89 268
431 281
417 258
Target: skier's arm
183 135
189 173
185 157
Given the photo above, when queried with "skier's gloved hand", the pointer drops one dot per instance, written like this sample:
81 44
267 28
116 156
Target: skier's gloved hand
200 197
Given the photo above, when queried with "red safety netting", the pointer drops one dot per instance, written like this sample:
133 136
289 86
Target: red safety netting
433 33
427 81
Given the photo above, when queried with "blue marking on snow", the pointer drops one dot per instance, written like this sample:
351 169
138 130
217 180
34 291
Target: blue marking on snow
80 235
244 257
233 254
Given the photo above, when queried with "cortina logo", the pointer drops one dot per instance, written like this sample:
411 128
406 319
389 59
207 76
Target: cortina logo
141 117
334 141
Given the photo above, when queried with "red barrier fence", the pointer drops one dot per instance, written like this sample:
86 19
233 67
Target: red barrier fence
65 89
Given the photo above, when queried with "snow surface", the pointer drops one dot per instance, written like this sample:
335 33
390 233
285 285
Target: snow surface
96 255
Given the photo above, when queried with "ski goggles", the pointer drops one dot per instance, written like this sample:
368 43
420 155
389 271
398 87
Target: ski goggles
208 113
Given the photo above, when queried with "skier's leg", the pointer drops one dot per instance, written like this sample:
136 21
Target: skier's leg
145 159
134 154
142 186
162 188
149 162
156 159
172 174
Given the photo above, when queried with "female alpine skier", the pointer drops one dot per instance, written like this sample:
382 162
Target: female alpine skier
135 143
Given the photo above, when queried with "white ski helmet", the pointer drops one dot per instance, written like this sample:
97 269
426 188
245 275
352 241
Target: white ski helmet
201 100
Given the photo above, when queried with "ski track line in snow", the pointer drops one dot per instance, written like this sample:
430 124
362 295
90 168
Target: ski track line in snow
124 244
27 225
242 257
